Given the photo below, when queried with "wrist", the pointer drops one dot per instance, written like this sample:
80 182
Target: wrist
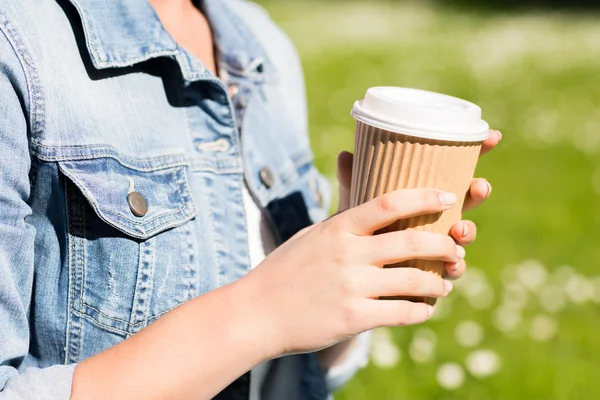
258 325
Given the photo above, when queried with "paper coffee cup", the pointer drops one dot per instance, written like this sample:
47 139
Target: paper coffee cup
409 138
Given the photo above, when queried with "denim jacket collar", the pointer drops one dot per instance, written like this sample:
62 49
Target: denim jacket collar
121 33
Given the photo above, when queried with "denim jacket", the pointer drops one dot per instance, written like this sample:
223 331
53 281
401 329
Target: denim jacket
122 167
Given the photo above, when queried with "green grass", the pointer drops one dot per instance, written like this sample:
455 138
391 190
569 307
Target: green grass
536 76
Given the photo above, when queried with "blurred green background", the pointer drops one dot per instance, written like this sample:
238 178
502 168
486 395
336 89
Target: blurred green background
524 323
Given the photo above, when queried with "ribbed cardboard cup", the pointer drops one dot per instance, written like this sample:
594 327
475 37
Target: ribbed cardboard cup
401 154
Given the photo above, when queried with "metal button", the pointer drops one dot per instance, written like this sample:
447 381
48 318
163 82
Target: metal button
137 204
267 177
233 90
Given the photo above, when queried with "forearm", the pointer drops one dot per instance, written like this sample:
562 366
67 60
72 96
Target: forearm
192 352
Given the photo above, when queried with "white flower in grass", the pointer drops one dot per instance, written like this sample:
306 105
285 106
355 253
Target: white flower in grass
543 328
483 363
552 298
532 274
472 276
507 319
385 356
579 289
384 352
483 300
587 143
423 346
468 333
596 283
515 295
450 375
562 274
474 286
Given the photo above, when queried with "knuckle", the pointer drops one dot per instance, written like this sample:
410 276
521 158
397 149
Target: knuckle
412 279
342 251
405 317
412 241
385 204
334 242
339 257
351 314
332 227
349 285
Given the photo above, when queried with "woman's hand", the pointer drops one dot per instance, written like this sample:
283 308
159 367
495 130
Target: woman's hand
321 286
464 232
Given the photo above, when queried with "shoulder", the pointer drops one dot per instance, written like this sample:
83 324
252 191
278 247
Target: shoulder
30 26
11 37
15 57
27 28
33 24
28 15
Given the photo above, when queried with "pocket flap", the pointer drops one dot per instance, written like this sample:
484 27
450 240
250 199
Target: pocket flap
106 184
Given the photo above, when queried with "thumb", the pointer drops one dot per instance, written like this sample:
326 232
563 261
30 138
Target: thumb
344 176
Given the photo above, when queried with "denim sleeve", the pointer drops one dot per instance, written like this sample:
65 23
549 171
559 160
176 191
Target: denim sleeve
53 383
358 358
17 238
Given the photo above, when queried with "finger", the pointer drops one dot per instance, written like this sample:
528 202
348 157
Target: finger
396 313
455 270
410 244
491 142
344 176
479 191
464 232
404 282
344 172
390 207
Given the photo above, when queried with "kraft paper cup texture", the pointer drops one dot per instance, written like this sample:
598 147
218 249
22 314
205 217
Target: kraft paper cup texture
385 161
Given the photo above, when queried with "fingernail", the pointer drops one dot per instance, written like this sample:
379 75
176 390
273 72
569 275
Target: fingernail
448 198
455 267
489 189
460 252
465 230
448 286
429 311
499 135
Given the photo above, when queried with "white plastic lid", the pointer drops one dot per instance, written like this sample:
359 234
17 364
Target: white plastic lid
421 113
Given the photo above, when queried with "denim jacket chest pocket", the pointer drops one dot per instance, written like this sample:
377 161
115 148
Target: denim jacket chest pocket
106 240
